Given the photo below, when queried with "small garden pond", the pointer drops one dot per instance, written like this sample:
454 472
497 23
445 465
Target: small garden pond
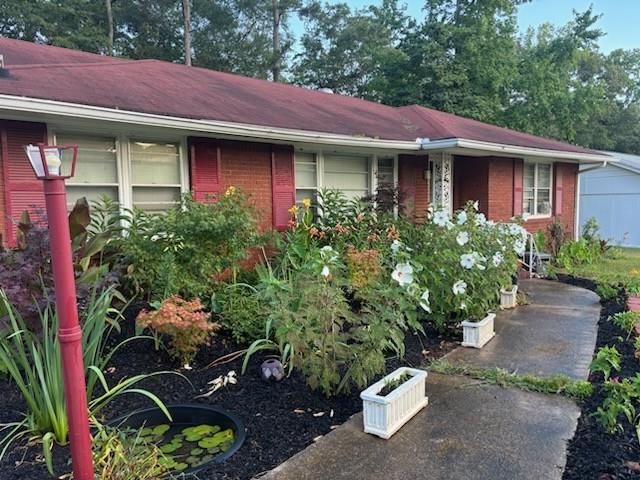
197 436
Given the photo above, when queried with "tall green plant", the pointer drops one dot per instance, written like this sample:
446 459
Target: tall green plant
33 364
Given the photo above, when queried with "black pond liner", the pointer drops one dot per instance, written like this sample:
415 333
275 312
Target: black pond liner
187 416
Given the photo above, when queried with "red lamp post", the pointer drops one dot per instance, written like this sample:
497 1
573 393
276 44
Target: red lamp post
48 162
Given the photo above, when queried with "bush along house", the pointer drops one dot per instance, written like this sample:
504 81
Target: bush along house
149 131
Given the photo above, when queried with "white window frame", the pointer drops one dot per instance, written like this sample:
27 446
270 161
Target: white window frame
124 163
372 170
535 164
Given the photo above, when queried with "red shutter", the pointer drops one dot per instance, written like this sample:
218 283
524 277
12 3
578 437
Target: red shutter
21 188
205 169
518 179
557 189
410 171
283 184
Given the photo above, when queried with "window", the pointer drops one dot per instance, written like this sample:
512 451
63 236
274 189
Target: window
348 173
385 172
537 189
96 169
155 175
306 176
355 175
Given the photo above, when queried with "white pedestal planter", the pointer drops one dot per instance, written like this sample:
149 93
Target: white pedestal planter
508 297
477 334
384 415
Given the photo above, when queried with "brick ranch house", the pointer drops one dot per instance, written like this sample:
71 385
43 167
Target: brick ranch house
149 130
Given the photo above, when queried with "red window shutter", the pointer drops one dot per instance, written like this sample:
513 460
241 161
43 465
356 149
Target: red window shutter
206 178
518 180
283 184
558 189
21 188
410 172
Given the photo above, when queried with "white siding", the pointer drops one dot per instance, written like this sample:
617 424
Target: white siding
612 195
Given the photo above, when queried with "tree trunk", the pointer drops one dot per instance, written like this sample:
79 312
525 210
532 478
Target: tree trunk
110 26
186 14
275 69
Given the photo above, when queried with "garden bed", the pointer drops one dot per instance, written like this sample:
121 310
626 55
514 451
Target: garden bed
592 452
281 419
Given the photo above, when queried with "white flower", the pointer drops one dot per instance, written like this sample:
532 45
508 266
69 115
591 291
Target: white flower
467 260
525 216
395 246
463 306
441 218
481 219
462 217
476 205
497 259
325 272
518 246
328 253
459 287
462 238
424 301
403 274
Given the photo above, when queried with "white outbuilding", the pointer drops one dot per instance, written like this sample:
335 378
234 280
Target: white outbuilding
611 194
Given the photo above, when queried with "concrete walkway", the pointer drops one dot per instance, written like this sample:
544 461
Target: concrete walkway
555 333
471 430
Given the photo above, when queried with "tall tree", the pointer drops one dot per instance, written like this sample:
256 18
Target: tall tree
109 27
149 29
347 51
186 18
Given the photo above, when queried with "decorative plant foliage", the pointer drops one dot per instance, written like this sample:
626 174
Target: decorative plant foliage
346 286
183 250
33 364
186 322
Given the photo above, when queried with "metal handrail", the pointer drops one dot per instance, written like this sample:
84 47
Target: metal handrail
534 255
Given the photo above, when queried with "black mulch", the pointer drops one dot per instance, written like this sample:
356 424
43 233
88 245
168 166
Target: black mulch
275 431
593 453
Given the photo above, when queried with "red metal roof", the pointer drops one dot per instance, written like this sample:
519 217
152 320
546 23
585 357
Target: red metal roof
163 88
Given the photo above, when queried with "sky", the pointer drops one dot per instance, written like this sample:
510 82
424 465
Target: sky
620 21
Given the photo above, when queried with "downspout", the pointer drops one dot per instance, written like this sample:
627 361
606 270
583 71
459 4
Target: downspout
576 220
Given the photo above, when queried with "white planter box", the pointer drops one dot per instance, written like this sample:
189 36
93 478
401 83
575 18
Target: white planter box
383 416
508 297
477 334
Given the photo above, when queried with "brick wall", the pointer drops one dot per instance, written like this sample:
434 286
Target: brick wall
247 166
3 208
501 194
470 181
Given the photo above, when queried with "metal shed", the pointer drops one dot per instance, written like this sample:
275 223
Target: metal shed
611 194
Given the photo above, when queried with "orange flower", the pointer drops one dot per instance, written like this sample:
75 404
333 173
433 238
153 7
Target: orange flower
392 233
313 231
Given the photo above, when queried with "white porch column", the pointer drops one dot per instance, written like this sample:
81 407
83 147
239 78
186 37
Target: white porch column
442 180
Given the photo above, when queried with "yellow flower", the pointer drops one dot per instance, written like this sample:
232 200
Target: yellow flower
306 203
230 191
293 210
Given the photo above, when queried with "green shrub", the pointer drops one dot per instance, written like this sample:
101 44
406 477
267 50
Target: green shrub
241 311
606 361
183 250
621 399
606 292
626 321
576 253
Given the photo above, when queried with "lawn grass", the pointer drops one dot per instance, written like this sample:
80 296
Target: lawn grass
555 384
618 265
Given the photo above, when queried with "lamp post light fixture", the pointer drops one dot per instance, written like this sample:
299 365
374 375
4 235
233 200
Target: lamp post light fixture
53 164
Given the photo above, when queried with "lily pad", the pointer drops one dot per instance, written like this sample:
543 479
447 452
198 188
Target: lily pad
146 432
196 451
181 466
170 447
161 429
192 460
